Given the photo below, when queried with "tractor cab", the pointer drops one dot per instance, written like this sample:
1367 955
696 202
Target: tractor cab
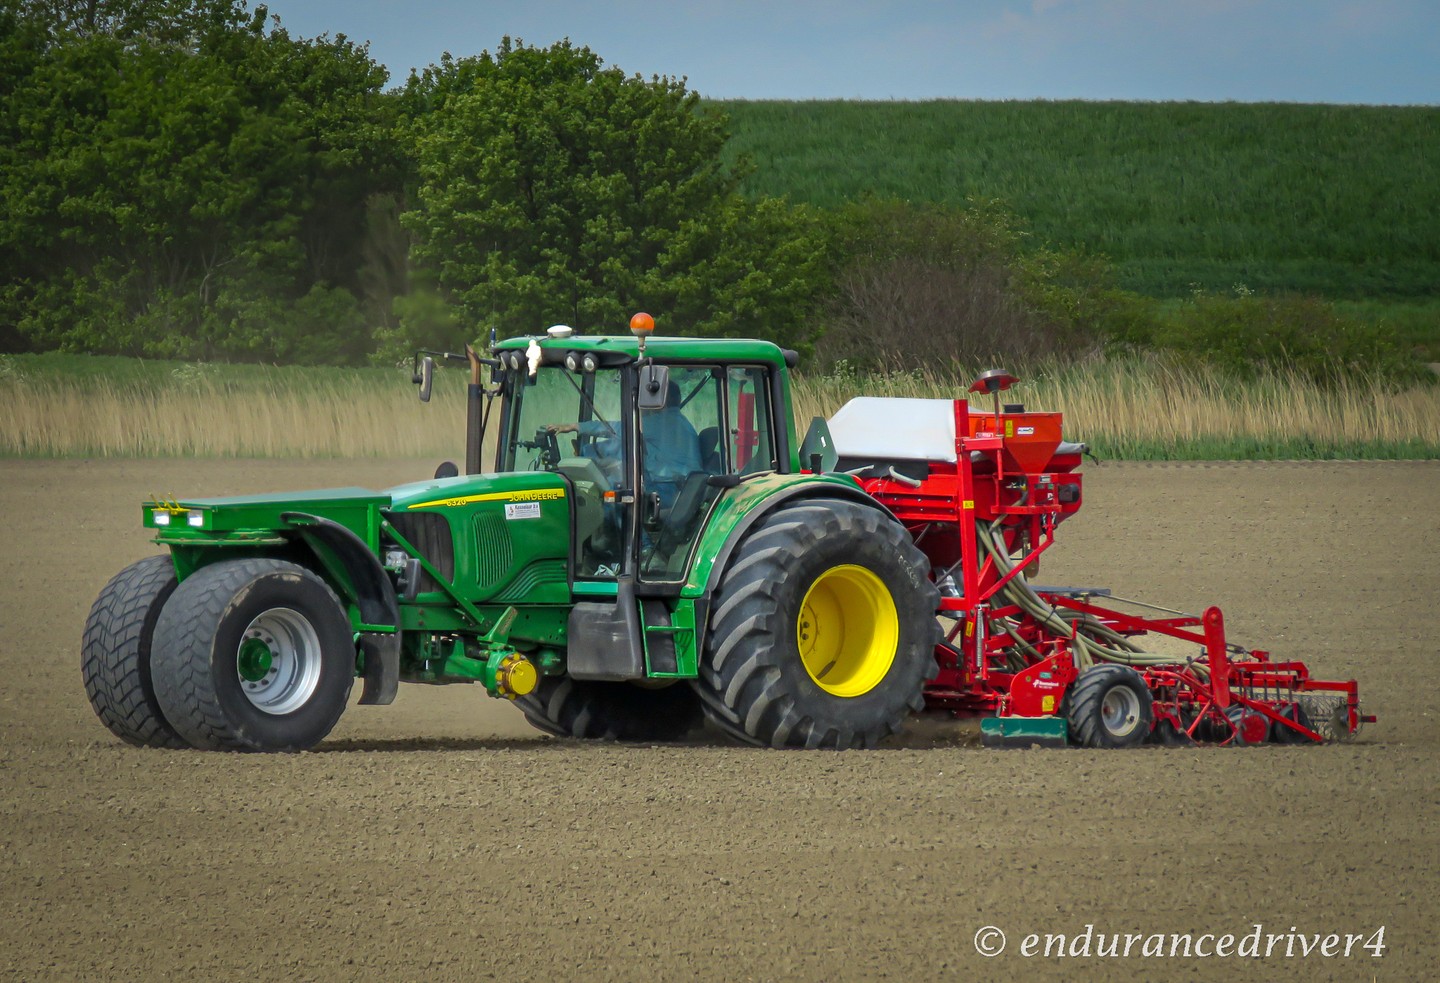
647 439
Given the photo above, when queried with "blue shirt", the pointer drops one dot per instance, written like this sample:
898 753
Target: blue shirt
672 448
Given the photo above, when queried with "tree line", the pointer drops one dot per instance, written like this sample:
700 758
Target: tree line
186 179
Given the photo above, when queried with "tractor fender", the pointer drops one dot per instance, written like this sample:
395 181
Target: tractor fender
788 494
362 577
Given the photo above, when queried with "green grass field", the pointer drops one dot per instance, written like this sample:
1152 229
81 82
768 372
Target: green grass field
1136 409
1343 201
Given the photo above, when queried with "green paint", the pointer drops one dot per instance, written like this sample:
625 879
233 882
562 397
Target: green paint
753 494
1023 731
254 660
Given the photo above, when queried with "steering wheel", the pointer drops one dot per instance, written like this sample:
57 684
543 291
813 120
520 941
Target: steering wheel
549 446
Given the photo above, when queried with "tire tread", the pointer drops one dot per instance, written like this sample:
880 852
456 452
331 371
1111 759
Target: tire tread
115 653
1084 697
741 685
184 683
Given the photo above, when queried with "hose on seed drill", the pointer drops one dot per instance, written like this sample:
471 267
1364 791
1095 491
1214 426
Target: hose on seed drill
1091 641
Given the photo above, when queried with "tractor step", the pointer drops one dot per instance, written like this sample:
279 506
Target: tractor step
1023 731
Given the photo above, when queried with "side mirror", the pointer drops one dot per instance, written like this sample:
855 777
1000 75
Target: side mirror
425 378
654 386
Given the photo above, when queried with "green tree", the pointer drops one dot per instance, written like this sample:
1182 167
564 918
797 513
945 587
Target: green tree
183 178
1247 332
926 286
552 188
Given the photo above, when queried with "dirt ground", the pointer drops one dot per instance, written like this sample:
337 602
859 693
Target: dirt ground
441 839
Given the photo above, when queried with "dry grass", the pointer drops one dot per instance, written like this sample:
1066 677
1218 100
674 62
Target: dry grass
65 418
1139 409
1147 409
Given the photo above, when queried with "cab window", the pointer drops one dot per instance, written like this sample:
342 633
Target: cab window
751 439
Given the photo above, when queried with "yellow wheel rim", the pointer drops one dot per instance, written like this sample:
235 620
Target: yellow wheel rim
847 631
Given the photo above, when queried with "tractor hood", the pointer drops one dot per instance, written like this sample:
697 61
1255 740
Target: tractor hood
269 518
257 518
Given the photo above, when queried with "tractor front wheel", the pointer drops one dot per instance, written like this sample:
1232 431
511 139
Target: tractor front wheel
1109 706
115 653
595 710
823 630
253 655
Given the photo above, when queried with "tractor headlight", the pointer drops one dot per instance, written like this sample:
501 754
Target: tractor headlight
195 519
589 363
572 363
161 518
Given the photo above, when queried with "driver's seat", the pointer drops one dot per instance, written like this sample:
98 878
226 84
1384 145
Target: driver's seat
683 518
710 450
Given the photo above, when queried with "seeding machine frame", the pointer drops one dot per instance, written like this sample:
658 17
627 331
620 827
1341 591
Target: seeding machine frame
1013 652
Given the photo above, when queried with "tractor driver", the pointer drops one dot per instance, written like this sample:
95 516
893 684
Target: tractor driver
672 448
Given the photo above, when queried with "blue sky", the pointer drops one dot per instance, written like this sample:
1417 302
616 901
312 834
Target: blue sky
1350 51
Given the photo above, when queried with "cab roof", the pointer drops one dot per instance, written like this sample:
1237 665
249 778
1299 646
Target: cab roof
662 349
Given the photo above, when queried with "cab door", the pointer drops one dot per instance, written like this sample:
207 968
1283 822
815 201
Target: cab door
719 428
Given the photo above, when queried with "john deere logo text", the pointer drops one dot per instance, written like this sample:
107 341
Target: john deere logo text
528 495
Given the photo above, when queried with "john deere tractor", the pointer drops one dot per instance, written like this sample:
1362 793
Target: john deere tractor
653 547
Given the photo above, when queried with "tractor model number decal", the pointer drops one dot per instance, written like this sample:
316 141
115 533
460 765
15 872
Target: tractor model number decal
529 495
522 510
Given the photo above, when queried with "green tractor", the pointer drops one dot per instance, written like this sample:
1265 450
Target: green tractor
653 548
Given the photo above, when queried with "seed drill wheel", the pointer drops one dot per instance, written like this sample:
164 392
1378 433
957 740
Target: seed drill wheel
1247 726
591 709
115 653
1109 706
253 655
823 630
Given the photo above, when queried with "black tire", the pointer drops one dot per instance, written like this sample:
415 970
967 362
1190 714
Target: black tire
754 679
293 692
595 710
115 653
1109 706
1281 734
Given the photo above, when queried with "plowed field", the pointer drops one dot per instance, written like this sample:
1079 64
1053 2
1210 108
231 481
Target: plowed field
441 838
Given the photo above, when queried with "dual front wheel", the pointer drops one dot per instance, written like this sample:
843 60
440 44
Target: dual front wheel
244 655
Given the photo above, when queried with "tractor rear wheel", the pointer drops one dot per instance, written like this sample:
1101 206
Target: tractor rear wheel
1109 706
823 629
115 653
253 655
594 710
